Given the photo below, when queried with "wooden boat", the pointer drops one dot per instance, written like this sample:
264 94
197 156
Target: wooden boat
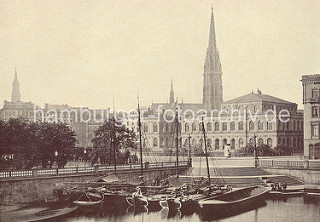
313 195
233 200
154 200
287 193
87 203
49 214
140 201
90 202
174 203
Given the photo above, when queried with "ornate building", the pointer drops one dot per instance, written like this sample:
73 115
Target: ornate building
311 101
239 131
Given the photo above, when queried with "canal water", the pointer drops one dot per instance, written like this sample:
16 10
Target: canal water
289 209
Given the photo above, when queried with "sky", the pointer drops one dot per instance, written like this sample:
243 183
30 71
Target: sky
91 53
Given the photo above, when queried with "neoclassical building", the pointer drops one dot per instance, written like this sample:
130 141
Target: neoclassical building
273 121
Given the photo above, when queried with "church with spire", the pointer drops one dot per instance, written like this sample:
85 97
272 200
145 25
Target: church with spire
16 108
212 97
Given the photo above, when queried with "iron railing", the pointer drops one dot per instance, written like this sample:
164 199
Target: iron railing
85 170
290 164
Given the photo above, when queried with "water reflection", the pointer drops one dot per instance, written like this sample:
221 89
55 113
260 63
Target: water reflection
270 209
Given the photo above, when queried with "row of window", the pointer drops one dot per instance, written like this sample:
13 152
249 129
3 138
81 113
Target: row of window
232 126
216 145
295 125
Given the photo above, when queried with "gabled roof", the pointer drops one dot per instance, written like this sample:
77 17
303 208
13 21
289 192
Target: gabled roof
256 97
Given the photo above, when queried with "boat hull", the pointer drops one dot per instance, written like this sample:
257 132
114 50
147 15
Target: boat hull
220 207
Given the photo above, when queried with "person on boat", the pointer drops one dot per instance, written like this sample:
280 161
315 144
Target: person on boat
137 193
284 186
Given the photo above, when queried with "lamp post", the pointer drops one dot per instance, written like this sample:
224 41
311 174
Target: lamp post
255 150
56 157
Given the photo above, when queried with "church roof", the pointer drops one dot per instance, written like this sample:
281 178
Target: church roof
256 97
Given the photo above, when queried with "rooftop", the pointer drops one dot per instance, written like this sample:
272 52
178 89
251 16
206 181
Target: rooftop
256 97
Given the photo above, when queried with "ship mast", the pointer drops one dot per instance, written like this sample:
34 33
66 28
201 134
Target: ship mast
205 148
139 125
177 141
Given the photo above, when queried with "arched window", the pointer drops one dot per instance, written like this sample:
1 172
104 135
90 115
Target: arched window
209 143
240 125
155 128
200 127
294 125
194 127
260 141
224 143
155 142
269 126
145 127
216 144
224 127
260 125
161 142
194 142
233 144
251 125
269 142
209 127
251 142
201 143
186 127
240 142
186 143
232 126
216 126
167 142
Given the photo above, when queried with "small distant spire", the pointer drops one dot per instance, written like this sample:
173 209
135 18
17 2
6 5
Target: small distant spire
15 95
171 93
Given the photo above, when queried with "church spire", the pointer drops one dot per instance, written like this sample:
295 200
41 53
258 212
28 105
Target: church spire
212 34
212 76
15 96
171 93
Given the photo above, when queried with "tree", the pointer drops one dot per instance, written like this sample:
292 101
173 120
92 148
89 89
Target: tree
109 138
25 144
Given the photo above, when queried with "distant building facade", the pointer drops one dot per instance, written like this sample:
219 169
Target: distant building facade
311 102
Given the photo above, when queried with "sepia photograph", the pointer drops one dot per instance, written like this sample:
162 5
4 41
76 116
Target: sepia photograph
145 110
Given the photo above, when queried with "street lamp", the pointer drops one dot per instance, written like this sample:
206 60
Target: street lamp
255 151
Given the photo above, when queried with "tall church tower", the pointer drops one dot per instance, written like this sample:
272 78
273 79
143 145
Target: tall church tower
171 94
212 76
15 96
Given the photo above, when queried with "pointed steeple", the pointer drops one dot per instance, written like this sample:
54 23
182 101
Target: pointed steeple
212 34
212 76
171 93
15 95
